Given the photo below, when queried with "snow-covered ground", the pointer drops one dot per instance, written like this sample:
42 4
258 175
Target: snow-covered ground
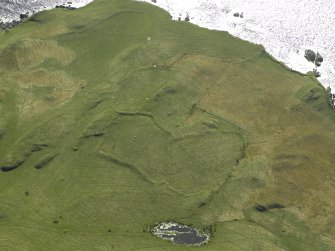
286 28
11 9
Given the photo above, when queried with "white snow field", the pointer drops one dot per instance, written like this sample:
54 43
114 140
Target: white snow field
286 28
11 9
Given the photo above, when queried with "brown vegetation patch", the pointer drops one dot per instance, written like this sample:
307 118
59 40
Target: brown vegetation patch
41 90
27 54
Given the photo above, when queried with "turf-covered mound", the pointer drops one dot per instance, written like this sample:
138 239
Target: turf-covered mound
114 118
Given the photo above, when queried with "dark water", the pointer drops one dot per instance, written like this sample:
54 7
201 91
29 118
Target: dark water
262 208
180 234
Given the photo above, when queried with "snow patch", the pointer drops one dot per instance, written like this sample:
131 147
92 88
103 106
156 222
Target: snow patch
10 10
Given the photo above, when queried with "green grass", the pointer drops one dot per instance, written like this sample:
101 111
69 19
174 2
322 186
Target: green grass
133 119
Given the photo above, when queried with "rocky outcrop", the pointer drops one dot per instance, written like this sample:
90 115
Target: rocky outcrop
313 57
63 6
316 73
24 16
238 14
310 55
9 25
318 58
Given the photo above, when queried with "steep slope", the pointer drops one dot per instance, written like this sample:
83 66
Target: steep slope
113 118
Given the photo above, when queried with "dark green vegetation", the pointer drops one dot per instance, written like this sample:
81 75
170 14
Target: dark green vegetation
114 118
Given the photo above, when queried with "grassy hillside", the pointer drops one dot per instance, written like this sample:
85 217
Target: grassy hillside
113 118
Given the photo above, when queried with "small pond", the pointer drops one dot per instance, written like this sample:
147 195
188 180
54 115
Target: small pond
180 234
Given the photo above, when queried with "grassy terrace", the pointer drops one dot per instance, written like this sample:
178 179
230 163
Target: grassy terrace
113 118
